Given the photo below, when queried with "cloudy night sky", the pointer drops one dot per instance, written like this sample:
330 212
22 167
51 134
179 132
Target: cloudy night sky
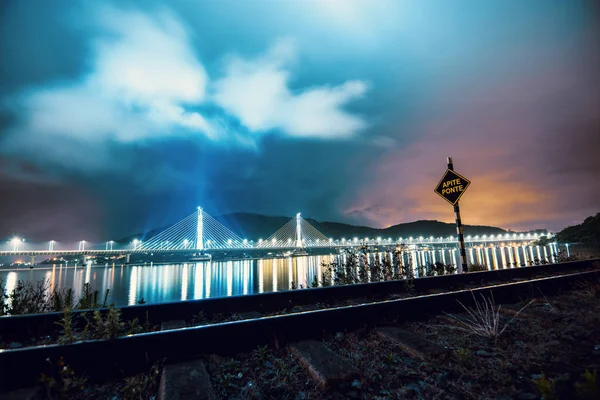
117 117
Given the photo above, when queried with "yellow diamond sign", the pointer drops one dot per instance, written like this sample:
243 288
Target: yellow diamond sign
452 186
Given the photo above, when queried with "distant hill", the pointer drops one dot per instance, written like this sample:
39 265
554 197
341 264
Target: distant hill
587 232
257 226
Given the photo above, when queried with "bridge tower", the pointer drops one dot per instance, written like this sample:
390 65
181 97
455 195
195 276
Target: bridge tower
199 231
299 231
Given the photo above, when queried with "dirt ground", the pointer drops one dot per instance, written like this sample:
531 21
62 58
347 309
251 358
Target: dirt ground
543 353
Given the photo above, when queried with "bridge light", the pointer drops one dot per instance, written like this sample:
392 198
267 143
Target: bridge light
410 238
421 238
379 239
259 240
229 241
330 240
274 240
355 239
289 240
366 239
245 241
430 237
185 243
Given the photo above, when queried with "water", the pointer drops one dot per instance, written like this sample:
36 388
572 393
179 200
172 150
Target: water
160 283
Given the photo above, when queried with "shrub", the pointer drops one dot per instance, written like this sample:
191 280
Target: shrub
476 267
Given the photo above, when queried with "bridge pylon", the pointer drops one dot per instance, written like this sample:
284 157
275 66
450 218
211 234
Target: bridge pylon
200 231
197 232
296 233
299 243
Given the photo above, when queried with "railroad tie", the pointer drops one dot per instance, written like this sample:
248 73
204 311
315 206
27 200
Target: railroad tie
323 365
530 313
185 380
250 315
174 324
307 307
416 346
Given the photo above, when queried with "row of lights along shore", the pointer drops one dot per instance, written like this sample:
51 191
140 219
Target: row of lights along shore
137 244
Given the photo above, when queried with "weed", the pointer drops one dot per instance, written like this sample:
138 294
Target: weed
588 389
142 386
199 319
66 323
260 353
62 300
112 324
28 298
476 267
464 354
546 387
134 327
390 358
62 381
484 319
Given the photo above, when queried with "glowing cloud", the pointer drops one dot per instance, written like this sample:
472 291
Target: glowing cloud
257 92
143 74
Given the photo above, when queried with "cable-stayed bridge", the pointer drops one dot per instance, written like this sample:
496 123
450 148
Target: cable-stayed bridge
199 234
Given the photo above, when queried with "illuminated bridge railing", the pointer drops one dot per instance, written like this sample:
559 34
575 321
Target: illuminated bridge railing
286 244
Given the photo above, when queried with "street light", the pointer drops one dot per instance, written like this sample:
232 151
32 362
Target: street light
135 243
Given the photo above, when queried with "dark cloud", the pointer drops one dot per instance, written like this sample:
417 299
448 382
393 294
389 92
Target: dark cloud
340 113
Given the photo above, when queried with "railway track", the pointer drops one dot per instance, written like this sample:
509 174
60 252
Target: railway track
22 328
105 359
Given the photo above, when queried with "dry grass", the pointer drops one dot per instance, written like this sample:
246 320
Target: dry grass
484 319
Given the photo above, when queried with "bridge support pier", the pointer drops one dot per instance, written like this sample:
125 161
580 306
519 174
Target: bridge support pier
127 258
32 261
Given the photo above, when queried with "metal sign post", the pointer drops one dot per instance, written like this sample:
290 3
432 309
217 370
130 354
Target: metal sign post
451 187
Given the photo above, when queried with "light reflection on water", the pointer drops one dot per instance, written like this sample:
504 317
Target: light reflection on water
161 283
